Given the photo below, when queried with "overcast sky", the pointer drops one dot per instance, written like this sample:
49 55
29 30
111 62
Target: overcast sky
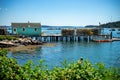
60 12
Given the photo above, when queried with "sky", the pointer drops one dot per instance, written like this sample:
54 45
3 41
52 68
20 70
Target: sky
60 12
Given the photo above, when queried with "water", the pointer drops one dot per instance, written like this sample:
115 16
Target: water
108 52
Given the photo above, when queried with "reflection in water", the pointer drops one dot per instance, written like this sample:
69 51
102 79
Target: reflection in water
23 56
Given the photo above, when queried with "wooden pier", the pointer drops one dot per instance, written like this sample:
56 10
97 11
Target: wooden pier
60 38
74 38
71 35
75 35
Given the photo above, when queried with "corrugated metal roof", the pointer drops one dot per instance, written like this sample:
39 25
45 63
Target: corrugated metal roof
26 24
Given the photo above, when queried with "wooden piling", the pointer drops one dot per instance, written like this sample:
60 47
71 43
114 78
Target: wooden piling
57 38
66 38
78 38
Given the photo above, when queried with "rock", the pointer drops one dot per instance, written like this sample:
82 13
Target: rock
21 41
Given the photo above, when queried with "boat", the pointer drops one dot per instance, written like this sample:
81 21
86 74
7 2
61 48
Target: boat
116 39
118 32
112 29
104 40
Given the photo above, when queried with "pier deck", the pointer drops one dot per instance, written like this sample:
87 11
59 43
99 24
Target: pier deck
73 38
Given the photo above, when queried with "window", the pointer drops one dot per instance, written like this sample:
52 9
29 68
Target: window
14 29
35 29
23 29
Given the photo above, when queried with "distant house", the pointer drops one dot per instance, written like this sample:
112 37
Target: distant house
26 29
3 30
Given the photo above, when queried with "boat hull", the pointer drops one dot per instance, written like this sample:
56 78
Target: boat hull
108 40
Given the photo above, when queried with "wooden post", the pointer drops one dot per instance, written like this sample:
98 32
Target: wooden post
111 35
75 38
89 38
44 38
66 38
50 39
54 38
71 38
85 38
61 38
78 38
57 38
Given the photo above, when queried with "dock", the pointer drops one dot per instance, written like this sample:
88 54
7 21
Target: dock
56 38
71 35
116 39
68 38
75 35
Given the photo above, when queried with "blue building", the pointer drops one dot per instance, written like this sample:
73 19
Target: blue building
26 29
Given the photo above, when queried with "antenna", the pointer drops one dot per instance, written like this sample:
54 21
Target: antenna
111 19
99 23
28 24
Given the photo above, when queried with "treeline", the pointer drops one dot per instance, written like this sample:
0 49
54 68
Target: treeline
81 70
111 25
91 26
107 25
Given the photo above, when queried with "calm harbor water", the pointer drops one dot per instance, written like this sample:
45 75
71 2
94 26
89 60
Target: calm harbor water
57 52
108 53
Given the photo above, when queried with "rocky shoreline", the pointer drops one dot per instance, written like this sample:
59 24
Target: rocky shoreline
19 42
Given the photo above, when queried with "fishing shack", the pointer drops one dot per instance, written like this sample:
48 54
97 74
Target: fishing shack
26 29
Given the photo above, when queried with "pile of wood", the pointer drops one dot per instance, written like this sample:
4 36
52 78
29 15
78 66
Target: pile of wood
96 31
68 32
80 32
84 32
